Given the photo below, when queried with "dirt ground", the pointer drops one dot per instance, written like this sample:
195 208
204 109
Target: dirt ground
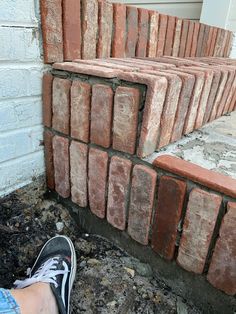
108 279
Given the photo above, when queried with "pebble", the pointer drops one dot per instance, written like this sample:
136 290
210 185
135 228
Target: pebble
60 226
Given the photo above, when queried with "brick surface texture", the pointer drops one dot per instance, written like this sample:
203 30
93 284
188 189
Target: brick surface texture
118 192
48 156
141 203
222 271
170 200
47 99
201 215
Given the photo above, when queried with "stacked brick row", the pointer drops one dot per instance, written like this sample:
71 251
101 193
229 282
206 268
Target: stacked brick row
90 29
138 106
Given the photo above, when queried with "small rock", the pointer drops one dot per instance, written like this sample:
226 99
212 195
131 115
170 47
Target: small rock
112 304
93 262
130 271
60 226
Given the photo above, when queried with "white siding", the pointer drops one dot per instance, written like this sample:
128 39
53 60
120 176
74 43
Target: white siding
231 23
189 9
21 153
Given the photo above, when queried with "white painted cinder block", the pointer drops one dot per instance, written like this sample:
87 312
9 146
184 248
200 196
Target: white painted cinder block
21 131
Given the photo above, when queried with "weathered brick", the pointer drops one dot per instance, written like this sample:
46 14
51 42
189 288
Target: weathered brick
119 30
125 122
201 215
80 110
213 41
61 165
194 103
177 36
51 17
170 108
97 176
105 22
163 19
141 47
206 51
222 271
101 115
188 82
195 39
78 173
170 199
71 30
205 40
89 28
141 203
183 38
211 179
48 156
189 39
118 192
153 33
218 44
61 105
200 40
132 31
47 99
228 46
170 35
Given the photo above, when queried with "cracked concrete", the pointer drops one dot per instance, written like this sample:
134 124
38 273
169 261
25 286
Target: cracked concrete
212 147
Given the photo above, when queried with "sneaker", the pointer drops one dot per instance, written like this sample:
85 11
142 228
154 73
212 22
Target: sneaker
56 265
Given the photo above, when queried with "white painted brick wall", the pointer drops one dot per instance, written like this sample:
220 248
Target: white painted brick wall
233 51
21 152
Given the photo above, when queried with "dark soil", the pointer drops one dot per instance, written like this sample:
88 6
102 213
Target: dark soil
108 279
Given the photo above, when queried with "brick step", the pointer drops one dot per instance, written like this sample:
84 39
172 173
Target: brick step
89 29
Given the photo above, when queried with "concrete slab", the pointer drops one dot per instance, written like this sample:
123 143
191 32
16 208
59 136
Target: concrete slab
212 147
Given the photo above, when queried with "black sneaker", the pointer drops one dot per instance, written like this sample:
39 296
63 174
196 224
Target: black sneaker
55 264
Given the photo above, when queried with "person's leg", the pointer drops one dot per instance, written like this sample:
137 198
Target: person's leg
35 299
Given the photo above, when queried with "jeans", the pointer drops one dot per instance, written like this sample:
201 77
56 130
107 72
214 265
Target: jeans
8 304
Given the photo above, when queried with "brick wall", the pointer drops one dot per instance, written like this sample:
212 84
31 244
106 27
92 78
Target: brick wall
21 156
101 117
89 29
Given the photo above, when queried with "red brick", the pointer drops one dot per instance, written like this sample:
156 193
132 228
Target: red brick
78 173
177 36
51 18
189 39
222 271
97 176
71 30
204 96
118 192
195 39
101 115
218 44
188 82
141 203
206 52
228 46
183 39
200 40
153 33
205 41
61 105
141 48
170 108
155 96
80 110
170 201
119 30
125 123
213 180
132 31
105 22
170 35
163 19
47 99
220 91
61 165
199 224
48 156
228 88
89 28
232 102
213 41
196 96
82 68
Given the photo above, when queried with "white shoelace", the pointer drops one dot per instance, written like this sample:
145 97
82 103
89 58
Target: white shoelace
47 273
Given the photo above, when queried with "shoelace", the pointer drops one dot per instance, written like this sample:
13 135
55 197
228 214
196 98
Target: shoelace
47 273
